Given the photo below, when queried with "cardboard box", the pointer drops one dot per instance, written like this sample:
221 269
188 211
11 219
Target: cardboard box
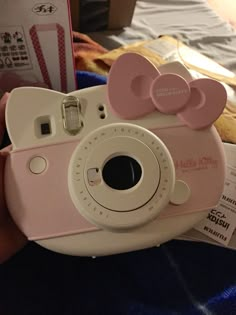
97 15
36 45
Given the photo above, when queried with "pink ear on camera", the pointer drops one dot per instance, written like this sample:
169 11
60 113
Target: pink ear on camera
129 83
206 103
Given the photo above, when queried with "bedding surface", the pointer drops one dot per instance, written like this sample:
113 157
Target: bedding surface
194 21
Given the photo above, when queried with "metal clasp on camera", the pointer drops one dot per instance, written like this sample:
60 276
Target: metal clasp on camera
71 114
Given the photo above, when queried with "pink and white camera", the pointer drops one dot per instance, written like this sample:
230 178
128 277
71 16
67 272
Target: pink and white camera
115 168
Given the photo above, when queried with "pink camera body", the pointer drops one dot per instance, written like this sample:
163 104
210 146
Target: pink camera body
115 168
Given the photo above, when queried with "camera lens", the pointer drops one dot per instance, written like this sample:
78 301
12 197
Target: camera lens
122 172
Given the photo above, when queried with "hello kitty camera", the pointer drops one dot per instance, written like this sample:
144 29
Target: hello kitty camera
115 168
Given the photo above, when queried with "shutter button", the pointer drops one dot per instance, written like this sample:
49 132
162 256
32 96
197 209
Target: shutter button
37 165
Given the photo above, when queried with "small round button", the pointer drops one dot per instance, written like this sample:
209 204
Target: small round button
181 193
37 165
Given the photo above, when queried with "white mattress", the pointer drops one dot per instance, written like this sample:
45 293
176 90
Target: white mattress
192 20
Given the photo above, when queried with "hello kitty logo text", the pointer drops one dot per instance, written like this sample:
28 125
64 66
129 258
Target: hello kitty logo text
202 163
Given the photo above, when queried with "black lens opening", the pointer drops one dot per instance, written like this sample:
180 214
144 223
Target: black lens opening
122 172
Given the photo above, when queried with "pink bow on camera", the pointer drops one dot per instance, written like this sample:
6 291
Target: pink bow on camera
136 88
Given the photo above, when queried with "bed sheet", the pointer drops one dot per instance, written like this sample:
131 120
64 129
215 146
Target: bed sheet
193 21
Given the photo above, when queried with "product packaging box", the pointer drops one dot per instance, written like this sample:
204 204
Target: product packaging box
97 15
36 45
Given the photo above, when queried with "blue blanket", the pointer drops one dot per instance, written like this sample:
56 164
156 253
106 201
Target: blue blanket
177 278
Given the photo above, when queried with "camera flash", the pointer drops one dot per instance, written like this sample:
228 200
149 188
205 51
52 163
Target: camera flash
71 115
